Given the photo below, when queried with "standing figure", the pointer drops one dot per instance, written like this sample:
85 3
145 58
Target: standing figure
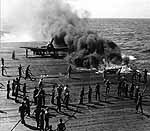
28 73
41 120
136 93
90 94
13 88
107 87
69 71
24 90
22 112
16 92
145 76
42 92
2 59
66 99
35 92
139 103
37 115
13 55
97 90
53 95
8 89
58 98
132 90
27 103
46 119
20 71
61 126
81 96
3 70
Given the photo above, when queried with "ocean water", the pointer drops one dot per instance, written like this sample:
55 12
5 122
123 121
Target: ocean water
132 36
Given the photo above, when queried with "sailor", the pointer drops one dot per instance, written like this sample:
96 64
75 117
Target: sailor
24 90
66 98
27 103
61 126
20 71
89 94
13 55
42 92
42 120
53 95
13 88
145 76
58 98
37 115
59 90
132 90
35 92
16 92
46 119
69 70
81 95
107 87
8 89
3 69
28 73
40 83
97 90
22 112
139 103
2 59
137 90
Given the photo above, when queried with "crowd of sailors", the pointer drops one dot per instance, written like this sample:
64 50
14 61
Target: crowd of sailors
60 94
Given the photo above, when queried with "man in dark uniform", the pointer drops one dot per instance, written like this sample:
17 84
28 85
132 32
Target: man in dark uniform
136 93
22 112
132 90
58 98
24 90
37 115
2 59
81 96
35 92
139 103
89 94
20 71
13 88
3 69
8 89
107 87
97 90
46 119
145 76
69 71
27 103
42 92
16 92
28 73
53 94
66 99
61 126
41 120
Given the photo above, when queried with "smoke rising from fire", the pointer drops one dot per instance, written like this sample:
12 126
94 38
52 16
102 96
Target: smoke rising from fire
39 19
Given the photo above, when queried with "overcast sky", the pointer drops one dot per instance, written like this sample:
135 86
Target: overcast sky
114 8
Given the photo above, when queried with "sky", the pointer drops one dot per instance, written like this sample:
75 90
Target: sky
113 8
97 8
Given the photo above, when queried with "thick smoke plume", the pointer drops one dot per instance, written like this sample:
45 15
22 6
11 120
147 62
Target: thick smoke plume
44 19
